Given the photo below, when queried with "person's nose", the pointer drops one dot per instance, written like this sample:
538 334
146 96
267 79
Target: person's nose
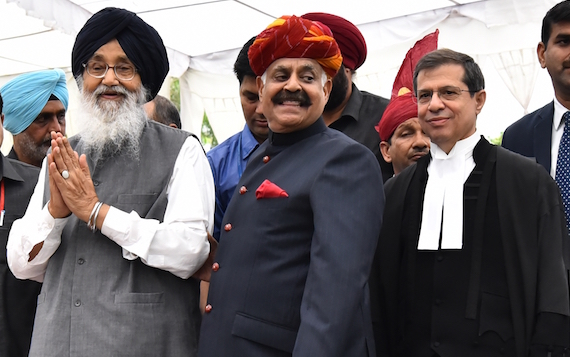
54 124
435 103
258 109
421 141
293 84
110 79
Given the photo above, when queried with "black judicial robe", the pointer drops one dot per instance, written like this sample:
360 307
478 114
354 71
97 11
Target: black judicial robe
293 271
18 298
534 242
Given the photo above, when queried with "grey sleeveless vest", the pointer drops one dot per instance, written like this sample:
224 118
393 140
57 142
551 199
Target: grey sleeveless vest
96 303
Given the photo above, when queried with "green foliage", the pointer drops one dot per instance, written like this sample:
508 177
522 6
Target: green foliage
497 140
207 135
175 92
208 138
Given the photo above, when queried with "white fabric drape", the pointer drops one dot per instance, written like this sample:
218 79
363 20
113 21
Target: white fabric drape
480 29
519 70
215 94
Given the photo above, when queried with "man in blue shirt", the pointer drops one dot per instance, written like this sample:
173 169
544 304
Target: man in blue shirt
228 159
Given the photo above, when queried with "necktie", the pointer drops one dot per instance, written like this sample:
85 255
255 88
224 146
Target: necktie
563 167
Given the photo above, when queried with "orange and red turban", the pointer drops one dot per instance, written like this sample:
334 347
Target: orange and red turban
402 105
295 37
347 35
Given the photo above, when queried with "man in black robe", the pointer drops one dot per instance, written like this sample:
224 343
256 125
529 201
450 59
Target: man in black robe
471 260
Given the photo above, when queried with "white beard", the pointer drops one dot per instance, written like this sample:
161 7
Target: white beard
108 127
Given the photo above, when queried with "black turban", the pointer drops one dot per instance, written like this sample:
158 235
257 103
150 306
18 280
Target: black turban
140 41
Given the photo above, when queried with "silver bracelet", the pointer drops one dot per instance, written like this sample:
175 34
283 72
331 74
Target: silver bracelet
92 222
92 213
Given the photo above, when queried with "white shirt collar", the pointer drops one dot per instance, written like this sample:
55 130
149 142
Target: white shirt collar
559 111
443 199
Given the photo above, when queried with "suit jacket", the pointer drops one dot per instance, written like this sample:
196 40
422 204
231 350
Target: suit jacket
531 136
293 271
18 298
530 209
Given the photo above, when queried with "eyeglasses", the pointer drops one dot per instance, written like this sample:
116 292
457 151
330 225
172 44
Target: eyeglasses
447 93
98 69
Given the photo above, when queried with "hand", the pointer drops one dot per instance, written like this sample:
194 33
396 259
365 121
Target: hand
77 191
56 206
205 272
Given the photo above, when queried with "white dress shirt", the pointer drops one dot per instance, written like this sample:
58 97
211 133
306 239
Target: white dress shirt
557 131
443 200
179 244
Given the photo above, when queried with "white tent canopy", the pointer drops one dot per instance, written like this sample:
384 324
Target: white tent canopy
204 37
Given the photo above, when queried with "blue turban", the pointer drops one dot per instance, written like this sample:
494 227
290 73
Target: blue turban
26 95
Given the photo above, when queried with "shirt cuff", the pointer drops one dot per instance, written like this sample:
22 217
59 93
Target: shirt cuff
122 228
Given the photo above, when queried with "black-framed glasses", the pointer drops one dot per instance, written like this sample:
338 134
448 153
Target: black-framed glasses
98 69
447 93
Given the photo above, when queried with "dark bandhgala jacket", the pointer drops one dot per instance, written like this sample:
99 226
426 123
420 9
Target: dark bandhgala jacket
93 301
293 271
17 297
508 293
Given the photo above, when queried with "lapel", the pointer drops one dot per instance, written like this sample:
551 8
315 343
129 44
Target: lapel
543 135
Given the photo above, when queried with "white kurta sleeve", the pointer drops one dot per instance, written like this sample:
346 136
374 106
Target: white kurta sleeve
179 244
37 225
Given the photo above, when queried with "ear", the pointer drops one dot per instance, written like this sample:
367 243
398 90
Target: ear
540 53
172 125
327 88
348 73
260 86
384 149
480 98
2 118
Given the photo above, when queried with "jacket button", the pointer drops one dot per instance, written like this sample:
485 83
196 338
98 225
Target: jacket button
242 190
437 302
80 261
266 159
228 227
436 344
77 303
440 258
215 267
208 308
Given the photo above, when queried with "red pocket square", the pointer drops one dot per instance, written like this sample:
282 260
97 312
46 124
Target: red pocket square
268 189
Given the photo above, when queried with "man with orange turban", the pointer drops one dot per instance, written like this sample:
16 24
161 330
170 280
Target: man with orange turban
350 110
291 272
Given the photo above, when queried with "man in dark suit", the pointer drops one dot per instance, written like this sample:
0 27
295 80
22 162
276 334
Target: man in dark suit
542 134
538 134
17 297
298 238
472 260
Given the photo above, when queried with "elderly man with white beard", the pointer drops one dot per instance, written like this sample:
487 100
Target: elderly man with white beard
119 221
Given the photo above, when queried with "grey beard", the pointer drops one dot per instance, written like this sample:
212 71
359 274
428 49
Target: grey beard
107 127
31 150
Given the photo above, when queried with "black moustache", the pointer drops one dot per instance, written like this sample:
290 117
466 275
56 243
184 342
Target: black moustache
285 96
